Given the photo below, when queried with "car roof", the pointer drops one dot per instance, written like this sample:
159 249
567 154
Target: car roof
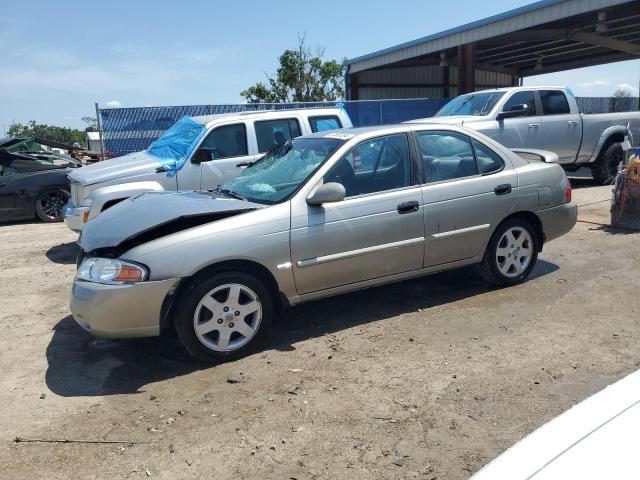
524 87
257 114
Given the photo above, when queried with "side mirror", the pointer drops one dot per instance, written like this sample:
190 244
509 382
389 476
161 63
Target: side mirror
202 155
514 111
328 193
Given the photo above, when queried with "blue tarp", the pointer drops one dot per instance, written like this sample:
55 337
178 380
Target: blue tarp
175 145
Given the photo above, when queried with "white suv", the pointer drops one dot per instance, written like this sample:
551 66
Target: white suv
226 144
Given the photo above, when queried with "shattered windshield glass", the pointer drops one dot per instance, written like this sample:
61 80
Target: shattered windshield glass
478 104
280 172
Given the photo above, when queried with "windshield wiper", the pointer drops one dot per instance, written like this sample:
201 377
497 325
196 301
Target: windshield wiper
232 194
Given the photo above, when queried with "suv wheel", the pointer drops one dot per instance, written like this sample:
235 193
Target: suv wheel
225 316
511 254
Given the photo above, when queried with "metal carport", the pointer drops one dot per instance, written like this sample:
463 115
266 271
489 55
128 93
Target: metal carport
543 37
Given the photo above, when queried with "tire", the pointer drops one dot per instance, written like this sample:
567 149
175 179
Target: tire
223 335
513 267
50 204
605 169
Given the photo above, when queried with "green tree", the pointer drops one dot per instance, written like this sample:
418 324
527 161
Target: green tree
48 132
302 77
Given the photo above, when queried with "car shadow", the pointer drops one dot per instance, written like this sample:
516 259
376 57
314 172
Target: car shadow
581 182
65 253
81 365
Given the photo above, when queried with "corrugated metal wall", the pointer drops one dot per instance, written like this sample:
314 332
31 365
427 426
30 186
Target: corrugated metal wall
420 82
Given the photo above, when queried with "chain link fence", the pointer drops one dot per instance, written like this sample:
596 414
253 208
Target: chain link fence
126 130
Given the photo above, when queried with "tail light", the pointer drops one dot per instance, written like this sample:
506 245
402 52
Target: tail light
567 193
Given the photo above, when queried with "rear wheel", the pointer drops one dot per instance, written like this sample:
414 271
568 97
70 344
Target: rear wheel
225 316
50 204
511 254
605 169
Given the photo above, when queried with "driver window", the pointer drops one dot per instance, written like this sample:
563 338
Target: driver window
374 165
520 98
226 141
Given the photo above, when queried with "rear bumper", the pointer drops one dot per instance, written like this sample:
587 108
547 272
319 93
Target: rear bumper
74 216
119 311
558 220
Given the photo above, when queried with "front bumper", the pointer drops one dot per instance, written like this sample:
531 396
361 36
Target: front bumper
558 220
74 216
119 311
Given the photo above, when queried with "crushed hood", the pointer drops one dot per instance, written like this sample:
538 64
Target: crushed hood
152 215
131 165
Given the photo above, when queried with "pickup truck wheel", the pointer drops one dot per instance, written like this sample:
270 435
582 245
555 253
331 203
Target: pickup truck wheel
224 317
605 168
511 254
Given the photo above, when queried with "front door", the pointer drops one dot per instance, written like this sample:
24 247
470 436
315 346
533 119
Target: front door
378 230
524 131
467 189
226 151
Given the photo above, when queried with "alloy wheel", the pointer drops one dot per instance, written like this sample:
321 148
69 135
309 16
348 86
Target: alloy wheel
227 317
50 205
514 252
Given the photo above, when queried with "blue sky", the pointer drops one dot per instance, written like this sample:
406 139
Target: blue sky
59 57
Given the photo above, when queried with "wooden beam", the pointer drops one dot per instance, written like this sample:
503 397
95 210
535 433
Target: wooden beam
602 41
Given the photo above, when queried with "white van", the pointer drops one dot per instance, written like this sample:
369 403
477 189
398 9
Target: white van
228 143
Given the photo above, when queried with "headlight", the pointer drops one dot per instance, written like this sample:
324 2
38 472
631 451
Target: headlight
110 271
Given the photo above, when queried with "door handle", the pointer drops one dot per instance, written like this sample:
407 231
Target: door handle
2 184
503 189
408 207
534 125
244 164
572 122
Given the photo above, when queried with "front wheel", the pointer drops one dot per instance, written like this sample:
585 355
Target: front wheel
511 254
223 317
50 204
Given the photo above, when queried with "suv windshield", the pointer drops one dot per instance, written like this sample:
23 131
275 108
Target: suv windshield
478 104
280 172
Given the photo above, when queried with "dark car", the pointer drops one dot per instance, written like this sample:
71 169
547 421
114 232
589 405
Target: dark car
30 187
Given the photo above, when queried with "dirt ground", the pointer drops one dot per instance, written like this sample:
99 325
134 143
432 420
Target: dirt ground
429 378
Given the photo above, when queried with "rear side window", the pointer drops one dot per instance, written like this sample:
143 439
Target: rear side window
271 133
554 102
320 124
446 156
520 98
227 141
488 160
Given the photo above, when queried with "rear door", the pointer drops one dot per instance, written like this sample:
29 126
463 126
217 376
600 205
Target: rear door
561 129
230 150
321 123
522 131
467 188
271 133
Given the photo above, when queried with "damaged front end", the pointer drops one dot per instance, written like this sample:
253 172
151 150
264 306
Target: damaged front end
147 217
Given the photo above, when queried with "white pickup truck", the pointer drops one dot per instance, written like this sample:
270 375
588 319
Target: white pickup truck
197 153
545 118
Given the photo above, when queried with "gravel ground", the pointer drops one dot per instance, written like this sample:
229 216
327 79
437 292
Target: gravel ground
428 378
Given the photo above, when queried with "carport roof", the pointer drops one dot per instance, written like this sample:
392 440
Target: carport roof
568 30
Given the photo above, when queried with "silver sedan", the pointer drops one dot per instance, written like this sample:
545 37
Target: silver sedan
321 215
